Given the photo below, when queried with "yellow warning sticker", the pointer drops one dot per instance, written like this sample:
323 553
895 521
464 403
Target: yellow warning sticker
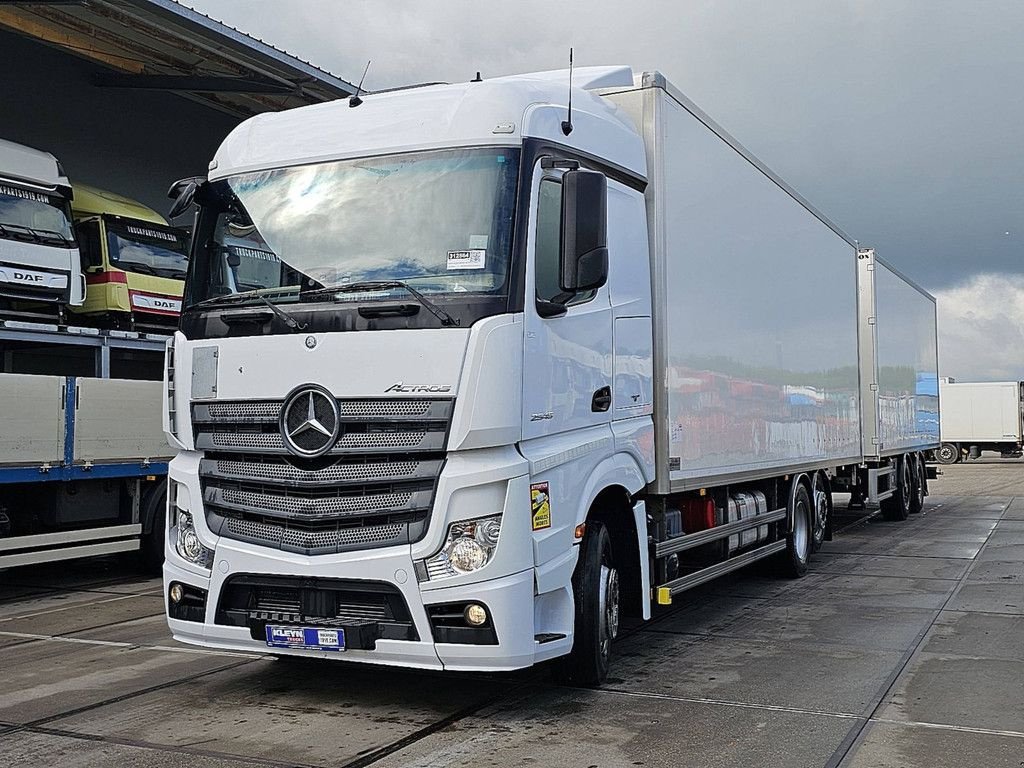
540 506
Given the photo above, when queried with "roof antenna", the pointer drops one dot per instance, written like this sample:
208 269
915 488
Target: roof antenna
354 100
477 79
567 123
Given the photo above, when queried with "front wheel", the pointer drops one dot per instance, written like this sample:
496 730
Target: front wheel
595 586
947 454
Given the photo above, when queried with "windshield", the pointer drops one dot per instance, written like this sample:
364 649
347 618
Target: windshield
439 221
34 216
151 249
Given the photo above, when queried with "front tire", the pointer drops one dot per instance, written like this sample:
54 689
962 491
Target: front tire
595 586
947 454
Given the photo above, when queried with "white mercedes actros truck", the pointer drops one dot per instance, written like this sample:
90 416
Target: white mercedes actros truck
462 374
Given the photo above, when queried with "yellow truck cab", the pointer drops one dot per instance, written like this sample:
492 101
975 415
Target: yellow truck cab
134 262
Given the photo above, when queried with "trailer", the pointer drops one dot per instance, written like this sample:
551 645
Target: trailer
500 370
899 372
980 416
83 459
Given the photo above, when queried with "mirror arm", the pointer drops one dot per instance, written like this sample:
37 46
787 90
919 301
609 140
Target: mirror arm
548 309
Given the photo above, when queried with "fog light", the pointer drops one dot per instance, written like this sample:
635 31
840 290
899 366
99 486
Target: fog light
475 615
177 592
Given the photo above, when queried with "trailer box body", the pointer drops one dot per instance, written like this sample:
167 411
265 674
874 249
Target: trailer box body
754 307
981 412
899 361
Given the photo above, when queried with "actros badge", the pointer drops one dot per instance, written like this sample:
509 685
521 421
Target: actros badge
310 421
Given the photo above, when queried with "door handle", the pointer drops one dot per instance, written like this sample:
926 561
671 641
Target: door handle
602 400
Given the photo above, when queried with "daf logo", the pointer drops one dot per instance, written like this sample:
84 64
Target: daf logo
27 277
310 421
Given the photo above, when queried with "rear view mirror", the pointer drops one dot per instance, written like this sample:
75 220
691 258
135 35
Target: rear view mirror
584 257
183 193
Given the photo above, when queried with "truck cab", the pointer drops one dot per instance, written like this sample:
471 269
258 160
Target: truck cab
39 259
134 261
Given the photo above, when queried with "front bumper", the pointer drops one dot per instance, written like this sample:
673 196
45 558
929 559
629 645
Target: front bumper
509 600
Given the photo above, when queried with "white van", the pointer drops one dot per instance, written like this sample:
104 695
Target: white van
39 259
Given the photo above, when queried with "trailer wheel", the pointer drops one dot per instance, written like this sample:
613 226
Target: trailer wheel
916 483
798 541
151 546
595 586
948 454
821 499
897 506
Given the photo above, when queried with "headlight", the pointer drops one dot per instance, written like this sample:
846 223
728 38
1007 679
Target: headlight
187 543
469 546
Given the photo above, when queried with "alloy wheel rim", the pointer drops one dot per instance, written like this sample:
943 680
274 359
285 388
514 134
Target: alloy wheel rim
609 608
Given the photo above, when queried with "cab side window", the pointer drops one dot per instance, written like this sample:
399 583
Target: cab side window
88 233
549 239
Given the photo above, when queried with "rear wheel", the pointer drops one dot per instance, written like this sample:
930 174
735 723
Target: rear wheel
897 506
948 454
916 484
596 591
821 500
798 542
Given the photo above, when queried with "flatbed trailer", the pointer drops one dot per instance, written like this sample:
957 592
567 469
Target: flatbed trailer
83 459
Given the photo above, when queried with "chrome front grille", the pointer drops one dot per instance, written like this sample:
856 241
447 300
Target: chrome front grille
373 488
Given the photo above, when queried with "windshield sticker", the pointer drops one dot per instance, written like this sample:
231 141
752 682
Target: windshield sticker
472 259
23 193
155 234
540 506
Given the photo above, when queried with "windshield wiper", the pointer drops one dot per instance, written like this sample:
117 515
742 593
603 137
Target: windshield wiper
41 235
238 298
283 316
382 285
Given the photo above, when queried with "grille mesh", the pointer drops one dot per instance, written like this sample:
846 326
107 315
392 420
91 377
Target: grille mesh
301 506
267 471
298 538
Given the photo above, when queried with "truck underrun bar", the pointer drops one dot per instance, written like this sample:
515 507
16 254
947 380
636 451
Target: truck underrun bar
691 540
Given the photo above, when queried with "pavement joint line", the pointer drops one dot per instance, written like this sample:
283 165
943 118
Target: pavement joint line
950 727
856 734
174 749
728 703
73 607
506 697
131 695
29 637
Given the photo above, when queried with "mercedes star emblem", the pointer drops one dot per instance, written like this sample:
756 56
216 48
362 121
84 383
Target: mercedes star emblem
310 421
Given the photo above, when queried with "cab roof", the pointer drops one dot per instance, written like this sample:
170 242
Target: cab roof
30 166
499 111
92 201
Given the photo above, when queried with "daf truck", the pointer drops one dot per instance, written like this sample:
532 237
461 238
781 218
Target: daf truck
466 372
980 416
134 262
39 261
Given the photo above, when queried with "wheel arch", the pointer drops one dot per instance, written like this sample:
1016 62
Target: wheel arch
610 497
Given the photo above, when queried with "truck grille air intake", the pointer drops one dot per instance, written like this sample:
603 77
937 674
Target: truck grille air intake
374 487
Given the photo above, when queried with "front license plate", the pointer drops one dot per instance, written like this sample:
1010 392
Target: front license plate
306 637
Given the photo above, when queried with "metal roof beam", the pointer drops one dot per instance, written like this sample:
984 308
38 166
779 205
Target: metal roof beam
205 83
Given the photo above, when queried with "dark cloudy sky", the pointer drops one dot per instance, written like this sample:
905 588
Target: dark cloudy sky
902 120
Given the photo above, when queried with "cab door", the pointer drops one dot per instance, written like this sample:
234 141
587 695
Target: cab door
567 371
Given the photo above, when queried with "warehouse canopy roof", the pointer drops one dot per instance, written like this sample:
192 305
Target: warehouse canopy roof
163 45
